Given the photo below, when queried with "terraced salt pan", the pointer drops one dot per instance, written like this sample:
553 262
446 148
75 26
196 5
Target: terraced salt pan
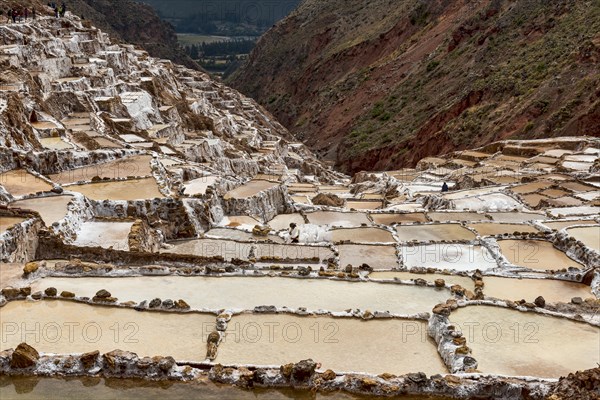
7 222
123 168
249 189
55 143
456 216
362 235
363 205
510 342
243 221
434 232
236 234
104 234
536 254
514 217
568 211
245 293
199 185
451 256
283 221
463 281
558 225
490 229
377 257
19 182
590 236
134 189
335 218
51 209
488 202
66 327
229 249
392 346
397 218
552 290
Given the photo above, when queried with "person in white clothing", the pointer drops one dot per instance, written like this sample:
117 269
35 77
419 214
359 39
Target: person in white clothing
294 233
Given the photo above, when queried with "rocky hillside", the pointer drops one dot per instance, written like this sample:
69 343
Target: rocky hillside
127 21
381 84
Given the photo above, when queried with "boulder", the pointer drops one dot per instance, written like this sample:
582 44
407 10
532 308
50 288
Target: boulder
51 292
11 293
155 303
166 363
88 360
103 294
260 230
36 295
24 356
440 283
540 302
328 199
302 371
30 268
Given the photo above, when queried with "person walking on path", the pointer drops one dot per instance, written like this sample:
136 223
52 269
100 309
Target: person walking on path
33 13
26 12
294 233
14 16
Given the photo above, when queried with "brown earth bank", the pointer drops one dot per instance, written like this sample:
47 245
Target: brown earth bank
380 84
127 21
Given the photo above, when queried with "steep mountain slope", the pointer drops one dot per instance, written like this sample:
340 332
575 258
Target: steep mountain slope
381 84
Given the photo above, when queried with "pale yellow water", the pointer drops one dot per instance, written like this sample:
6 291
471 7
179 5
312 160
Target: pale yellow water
230 249
376 346
55 326
51 209
463 281
510 342
363 205
236 234
11 274
435 232
451 256
104 234
364 234
130 166
283 221
552 290
249 189
7 222
377 257
245 293
488 229
388 219
589 235
55 143
19 182
536 254
516 217
335 218
199 185
134 189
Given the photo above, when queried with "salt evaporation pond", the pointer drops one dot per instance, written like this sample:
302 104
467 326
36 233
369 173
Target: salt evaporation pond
237 234
249 189
434 232
51 209
393 346
552 290
377 257
516 217
491 229
229 249
67 327
7 222
104 234
77 388
463 281
397 218
456 216
55 143
451 256
589 235
135 189
118 169
335 218
511 342
283 221
558 225
19 182
245 293
536 254
199 185
362 235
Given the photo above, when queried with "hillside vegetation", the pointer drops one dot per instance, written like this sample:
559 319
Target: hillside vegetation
381 84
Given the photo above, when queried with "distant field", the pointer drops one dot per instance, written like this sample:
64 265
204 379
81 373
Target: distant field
188 39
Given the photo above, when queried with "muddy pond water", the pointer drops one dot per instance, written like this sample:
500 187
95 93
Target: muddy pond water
51 209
